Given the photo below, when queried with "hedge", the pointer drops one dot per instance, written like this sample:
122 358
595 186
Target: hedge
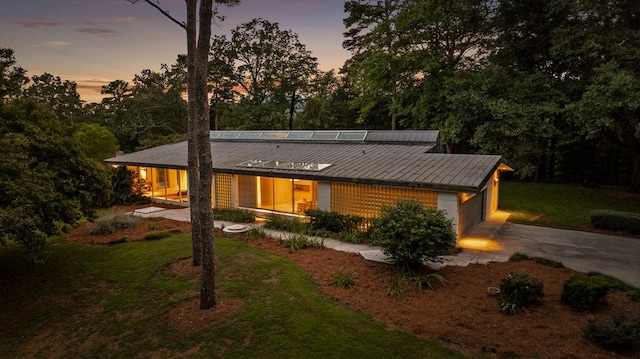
616 221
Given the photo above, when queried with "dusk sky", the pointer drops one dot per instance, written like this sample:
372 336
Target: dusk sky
93 42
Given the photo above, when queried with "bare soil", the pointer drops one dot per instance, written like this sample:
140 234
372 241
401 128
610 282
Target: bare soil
460 314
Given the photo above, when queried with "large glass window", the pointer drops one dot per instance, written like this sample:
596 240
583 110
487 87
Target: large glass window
277 194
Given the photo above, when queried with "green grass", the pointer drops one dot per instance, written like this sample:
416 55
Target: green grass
110 301
559 205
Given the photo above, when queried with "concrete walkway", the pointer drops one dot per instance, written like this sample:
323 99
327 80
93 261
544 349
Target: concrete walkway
495 240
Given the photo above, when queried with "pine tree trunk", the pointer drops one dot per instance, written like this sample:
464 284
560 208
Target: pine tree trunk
205 162
192 141
635 174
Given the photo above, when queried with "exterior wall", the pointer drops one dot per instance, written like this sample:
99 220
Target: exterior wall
448 202
324 196
492 188
224 190
470 211
367 200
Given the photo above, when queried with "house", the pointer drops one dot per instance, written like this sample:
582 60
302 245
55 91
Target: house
350 172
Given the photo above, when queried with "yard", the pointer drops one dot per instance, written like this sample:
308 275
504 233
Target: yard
139 299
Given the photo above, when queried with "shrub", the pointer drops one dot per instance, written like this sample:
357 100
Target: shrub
234 215
152 236
518 257
411 234
281 223
583 293
342 279
333 221
617 333
616 221
154 225
353 236
127 188
430 281
519 290
256 233
113 222
298 241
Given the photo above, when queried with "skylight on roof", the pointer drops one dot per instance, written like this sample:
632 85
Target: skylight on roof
324 135
285 165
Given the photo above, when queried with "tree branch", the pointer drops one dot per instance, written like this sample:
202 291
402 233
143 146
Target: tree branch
164 12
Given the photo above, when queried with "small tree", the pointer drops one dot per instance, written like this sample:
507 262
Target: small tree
411 234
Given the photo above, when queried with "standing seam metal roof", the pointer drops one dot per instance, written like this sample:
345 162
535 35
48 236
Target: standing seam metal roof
372 163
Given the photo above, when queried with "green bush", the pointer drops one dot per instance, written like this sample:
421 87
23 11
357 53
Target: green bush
616 221
113 222
234 215
333 221
281 223
342 279
256 233
298 241
127 188
353 236
519 290
617 333
411 234
583 293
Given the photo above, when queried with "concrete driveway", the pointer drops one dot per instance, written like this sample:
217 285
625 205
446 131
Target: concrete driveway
616 256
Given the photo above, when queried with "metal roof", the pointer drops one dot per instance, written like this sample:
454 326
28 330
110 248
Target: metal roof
360 162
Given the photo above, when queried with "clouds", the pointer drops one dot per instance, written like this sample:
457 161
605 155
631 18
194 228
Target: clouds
97 31
37 24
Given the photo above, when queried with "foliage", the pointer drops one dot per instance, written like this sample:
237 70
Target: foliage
46 181
333 221
282 223
296 241
256 233
342 279
616 221
113 222
397 286
411 234
234 215
12 76
97 142
354 236
153 236
615 284
617 333
518 291
271 66
60 96
126 187
583 293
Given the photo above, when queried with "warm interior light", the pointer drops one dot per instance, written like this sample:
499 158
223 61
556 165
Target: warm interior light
479 244
143 173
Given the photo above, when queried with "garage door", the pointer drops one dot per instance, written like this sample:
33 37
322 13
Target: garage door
471 212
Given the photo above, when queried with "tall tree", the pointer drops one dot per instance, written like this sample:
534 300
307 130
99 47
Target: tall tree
60 95
12 77
269 65
46 181
199 161
375 67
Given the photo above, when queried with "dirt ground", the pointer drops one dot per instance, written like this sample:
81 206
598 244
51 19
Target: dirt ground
460 314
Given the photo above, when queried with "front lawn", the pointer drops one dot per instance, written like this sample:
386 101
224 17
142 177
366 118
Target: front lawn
120 301
560 205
